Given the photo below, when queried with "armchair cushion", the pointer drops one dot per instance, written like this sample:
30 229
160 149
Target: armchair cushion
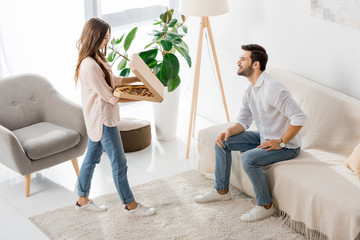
45 139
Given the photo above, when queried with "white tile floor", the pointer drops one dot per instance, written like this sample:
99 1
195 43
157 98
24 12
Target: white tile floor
55 187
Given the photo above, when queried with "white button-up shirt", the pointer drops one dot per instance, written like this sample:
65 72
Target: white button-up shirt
272 108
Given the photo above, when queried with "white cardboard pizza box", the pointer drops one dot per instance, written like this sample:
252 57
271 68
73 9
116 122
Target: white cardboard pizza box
146 76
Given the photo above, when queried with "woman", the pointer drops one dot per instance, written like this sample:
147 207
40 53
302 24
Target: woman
101 114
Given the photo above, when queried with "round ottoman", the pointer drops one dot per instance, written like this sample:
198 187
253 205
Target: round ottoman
135 134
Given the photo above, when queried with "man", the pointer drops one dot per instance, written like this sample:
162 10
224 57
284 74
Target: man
278 119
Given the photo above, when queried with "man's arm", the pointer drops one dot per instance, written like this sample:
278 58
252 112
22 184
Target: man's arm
273 144
291 132
230 131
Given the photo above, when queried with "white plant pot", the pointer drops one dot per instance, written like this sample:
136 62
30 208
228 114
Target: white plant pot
166 115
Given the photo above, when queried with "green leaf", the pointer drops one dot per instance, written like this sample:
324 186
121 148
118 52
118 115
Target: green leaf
170 66
184 46
156 39
183 18
152 53
120 39
184 28
149 45
151 62
157 68
176 40
161 75
125 72
111 56
173 83
157 33
172 22
175 35
166 16
185 54
129 38
166 44
122 64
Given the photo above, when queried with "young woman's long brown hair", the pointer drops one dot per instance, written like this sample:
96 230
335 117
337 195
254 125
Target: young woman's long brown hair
88 45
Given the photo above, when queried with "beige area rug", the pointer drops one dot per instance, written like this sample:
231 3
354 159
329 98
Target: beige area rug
178 216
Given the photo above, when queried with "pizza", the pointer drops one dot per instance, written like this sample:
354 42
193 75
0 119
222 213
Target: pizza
135 90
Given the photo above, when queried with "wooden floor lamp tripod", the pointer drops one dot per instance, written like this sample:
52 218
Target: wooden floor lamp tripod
203 8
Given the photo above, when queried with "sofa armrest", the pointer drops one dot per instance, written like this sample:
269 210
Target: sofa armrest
65 113
206 147
12 154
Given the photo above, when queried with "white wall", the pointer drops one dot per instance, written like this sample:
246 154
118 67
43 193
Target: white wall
323 51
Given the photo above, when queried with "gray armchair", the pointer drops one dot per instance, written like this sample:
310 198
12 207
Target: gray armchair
39 128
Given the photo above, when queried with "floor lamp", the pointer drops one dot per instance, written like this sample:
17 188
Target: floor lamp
203 9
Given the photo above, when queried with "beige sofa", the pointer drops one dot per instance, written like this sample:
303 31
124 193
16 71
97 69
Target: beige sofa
315 193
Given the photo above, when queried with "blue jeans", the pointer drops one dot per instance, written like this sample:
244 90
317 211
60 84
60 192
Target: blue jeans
111 143
252 160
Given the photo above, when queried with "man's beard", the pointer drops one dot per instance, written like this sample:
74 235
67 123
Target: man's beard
246 72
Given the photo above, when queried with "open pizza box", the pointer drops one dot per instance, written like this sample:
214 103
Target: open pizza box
151 90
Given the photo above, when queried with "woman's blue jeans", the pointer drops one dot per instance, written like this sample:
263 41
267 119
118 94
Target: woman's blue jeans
111 143
252 160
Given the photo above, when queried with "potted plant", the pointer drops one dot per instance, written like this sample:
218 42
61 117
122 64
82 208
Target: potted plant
160 56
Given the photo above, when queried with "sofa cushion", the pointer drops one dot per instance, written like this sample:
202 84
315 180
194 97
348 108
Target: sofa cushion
353 162
45 139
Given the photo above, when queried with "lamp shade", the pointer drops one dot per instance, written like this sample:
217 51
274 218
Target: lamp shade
203 8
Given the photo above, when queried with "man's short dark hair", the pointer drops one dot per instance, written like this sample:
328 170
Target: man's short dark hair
258 53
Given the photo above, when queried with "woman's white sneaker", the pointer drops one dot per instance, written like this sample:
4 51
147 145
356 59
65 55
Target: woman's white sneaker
258 213
141 210
213 196
90 206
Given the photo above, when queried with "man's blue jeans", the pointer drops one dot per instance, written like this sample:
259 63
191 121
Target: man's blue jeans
112 144
252 160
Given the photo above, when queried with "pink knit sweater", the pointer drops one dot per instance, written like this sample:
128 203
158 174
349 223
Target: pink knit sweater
98 103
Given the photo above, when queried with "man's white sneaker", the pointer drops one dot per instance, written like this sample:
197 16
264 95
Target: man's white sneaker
141 210
258 213
212 196
90 206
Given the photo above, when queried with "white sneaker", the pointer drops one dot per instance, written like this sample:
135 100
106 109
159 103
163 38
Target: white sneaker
212 196
90 206
258 213
141 210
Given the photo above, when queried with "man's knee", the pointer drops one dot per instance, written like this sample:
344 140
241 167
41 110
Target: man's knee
217 148
248 160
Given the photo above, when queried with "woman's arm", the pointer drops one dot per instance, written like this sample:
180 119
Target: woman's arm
91 72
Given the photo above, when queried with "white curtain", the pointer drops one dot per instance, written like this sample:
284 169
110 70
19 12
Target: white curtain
39 36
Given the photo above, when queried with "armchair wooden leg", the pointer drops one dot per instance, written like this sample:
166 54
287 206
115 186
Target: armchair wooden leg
27 185
76 166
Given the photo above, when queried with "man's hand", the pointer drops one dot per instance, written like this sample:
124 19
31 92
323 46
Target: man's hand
222 137
271 144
